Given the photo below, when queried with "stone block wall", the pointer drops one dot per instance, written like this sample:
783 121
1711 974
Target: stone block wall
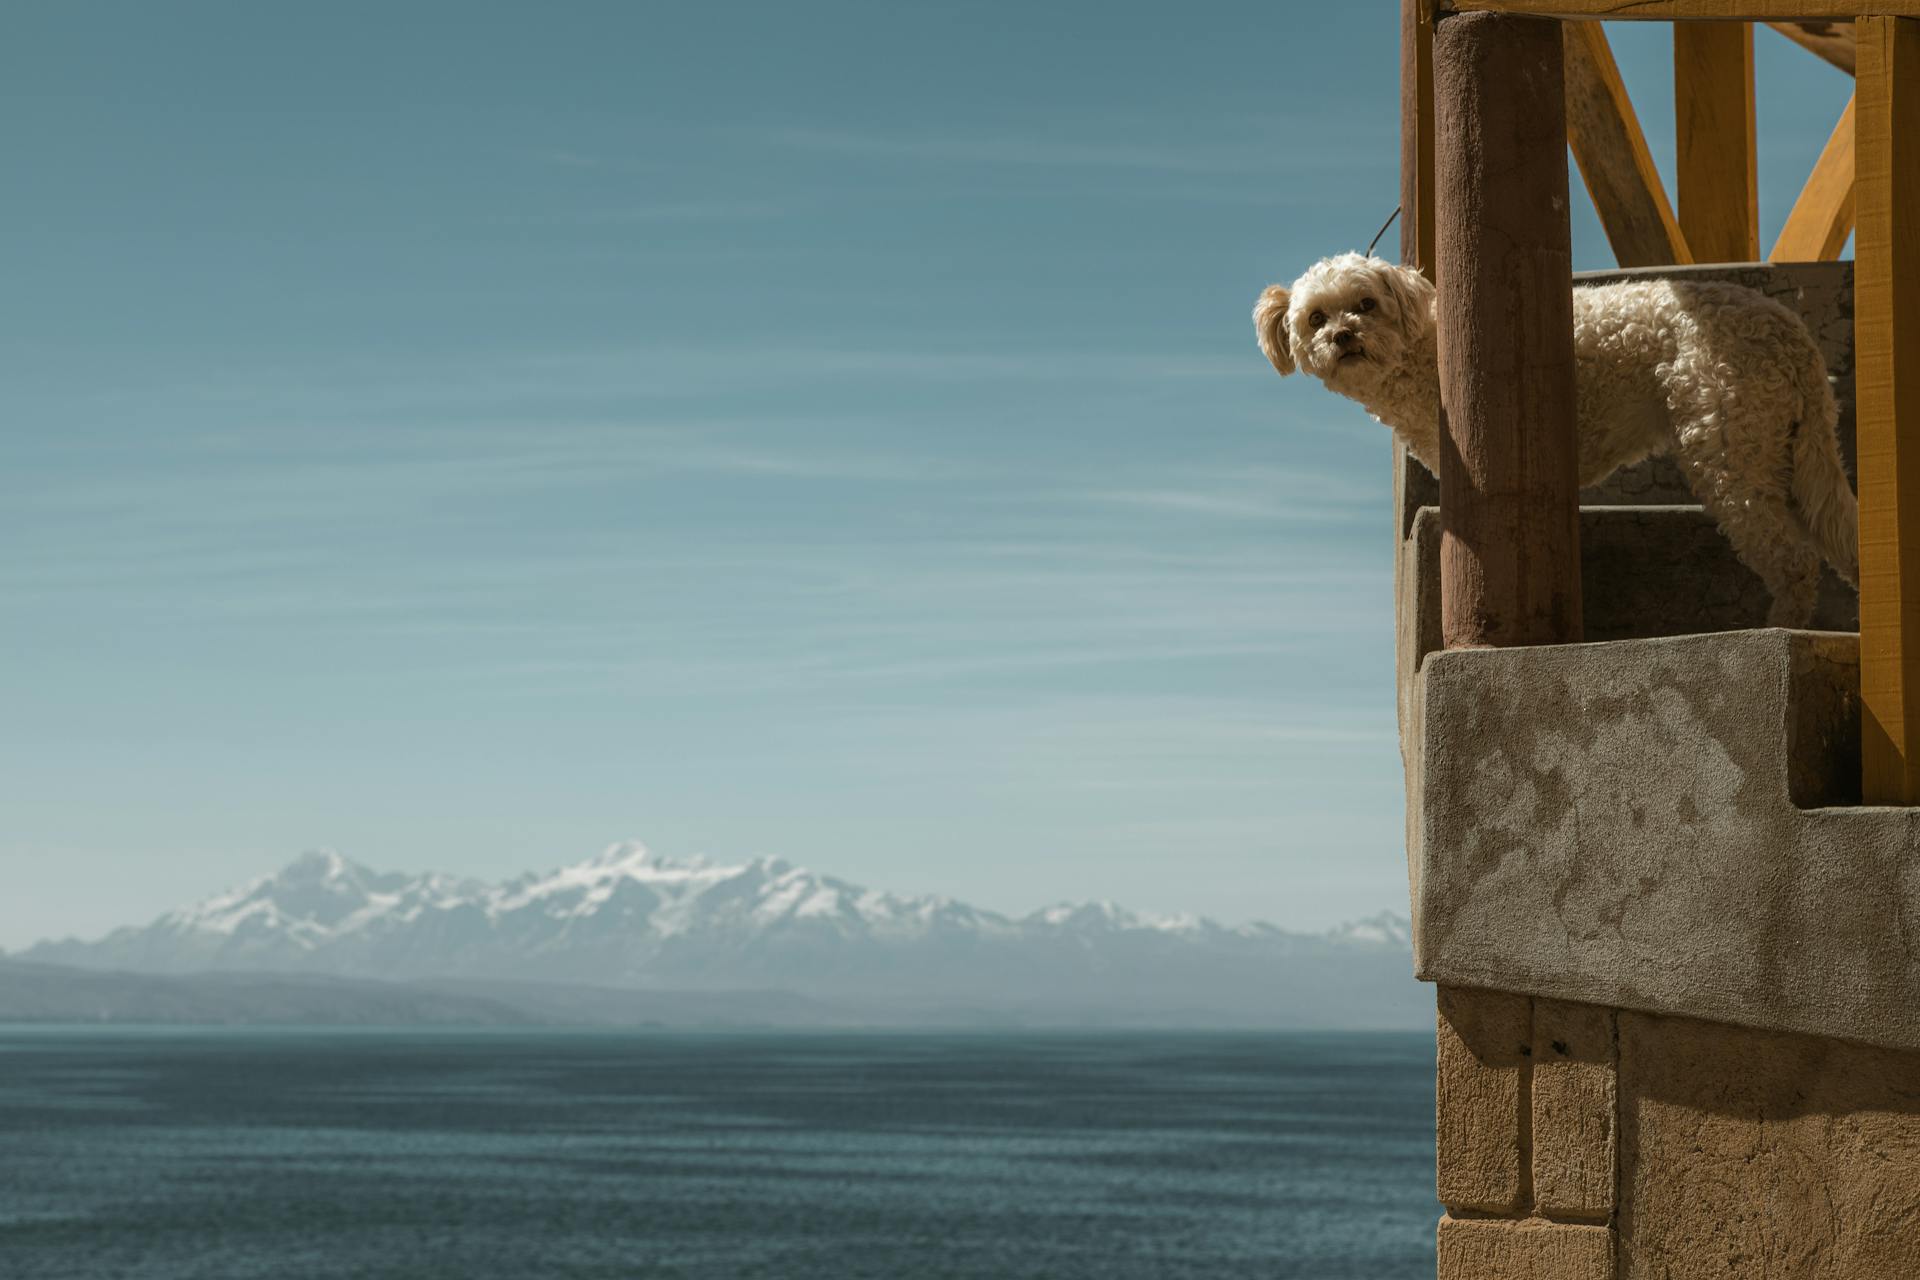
1584 1143
1528 1137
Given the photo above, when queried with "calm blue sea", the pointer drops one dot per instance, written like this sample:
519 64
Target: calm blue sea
302 1154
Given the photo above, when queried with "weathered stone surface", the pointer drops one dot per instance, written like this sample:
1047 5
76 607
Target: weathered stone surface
1475 1249
1573 1110
1667 571
1416 570
1615 824
1480 1098
1753 1153
1645 572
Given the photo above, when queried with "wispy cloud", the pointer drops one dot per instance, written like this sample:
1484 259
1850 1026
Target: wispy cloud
1250 493
1026 151
1235 145
712 210
1199 503
1240 143
761 361
641 372
243 492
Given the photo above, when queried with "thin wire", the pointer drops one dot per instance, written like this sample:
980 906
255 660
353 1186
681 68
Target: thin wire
1383 229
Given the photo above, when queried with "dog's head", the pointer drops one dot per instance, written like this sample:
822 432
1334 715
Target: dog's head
1349 321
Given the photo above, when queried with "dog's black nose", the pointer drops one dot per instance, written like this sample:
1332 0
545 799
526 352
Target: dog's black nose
1343 339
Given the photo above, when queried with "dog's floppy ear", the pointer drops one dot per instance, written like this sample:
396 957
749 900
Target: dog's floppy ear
1270 323
1412 293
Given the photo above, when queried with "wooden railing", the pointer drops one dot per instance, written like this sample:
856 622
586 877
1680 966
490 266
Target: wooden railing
1691 10
1507 486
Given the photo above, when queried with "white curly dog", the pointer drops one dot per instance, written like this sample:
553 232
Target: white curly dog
1726 380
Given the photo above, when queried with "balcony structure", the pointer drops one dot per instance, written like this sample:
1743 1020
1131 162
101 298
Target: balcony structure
1664 865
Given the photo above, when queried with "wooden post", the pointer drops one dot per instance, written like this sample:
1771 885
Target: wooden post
1718 189
1509 493
1416 134
1413 486
1886 336
1688 10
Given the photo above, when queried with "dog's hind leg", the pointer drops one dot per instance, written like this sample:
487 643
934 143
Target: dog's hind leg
1739 462
1769 538
1749 495
1825 498
1794 583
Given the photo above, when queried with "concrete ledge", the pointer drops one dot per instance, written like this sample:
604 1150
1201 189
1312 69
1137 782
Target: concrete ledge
1644 572
1638 825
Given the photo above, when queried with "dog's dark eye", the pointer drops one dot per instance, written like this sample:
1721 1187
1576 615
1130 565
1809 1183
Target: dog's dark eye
1317 319
1366 304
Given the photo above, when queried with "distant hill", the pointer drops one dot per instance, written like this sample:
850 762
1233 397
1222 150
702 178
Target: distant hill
631 938
56 993
32 992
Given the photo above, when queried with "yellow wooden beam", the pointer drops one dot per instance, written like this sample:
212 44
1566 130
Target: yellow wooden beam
1832 41
1681 10
1822 218
1886 326
1613 157
1718 187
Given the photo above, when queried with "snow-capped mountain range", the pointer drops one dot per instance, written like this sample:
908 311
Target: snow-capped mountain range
633 919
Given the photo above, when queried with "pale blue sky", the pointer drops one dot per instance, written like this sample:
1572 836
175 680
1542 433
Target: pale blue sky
468 434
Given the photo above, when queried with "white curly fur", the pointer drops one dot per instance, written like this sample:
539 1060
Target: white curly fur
1726 380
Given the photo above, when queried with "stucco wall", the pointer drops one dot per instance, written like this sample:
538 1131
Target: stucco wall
1628 824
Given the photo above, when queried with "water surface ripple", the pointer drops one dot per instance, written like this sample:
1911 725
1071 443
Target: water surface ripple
213 1154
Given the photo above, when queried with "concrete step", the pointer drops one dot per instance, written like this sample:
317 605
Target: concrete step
1645 571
